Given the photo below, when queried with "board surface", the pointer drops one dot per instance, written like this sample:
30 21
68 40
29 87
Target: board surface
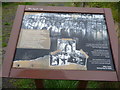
64 41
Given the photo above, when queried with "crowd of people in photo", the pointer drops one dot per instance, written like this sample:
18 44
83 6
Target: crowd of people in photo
68 25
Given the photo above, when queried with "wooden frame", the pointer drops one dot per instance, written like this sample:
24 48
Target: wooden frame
9 71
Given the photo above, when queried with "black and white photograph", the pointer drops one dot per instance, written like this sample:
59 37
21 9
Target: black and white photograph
67 54
64 41
66 45
68 24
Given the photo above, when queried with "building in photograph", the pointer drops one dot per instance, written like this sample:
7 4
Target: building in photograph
66 54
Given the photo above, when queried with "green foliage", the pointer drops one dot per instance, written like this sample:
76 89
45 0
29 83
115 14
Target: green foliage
3 38
5 35
23 83
4 44
60 84
76 4
51 4
115 6
0 38
18 3
93 84
6 3
6 23
61 4
69 4
25 3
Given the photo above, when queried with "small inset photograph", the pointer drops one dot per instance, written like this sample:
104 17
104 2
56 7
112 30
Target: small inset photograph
66 45
67 55
59 58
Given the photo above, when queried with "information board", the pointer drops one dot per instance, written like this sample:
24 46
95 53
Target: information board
69 43
64 41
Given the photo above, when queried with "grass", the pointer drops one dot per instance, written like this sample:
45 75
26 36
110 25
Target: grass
4 44
0 38
19 3
93 84
60 84
51 4
6 23
23 83
54 84
114 6
29 83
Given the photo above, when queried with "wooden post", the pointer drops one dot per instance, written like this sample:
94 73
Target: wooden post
39 83
82 84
